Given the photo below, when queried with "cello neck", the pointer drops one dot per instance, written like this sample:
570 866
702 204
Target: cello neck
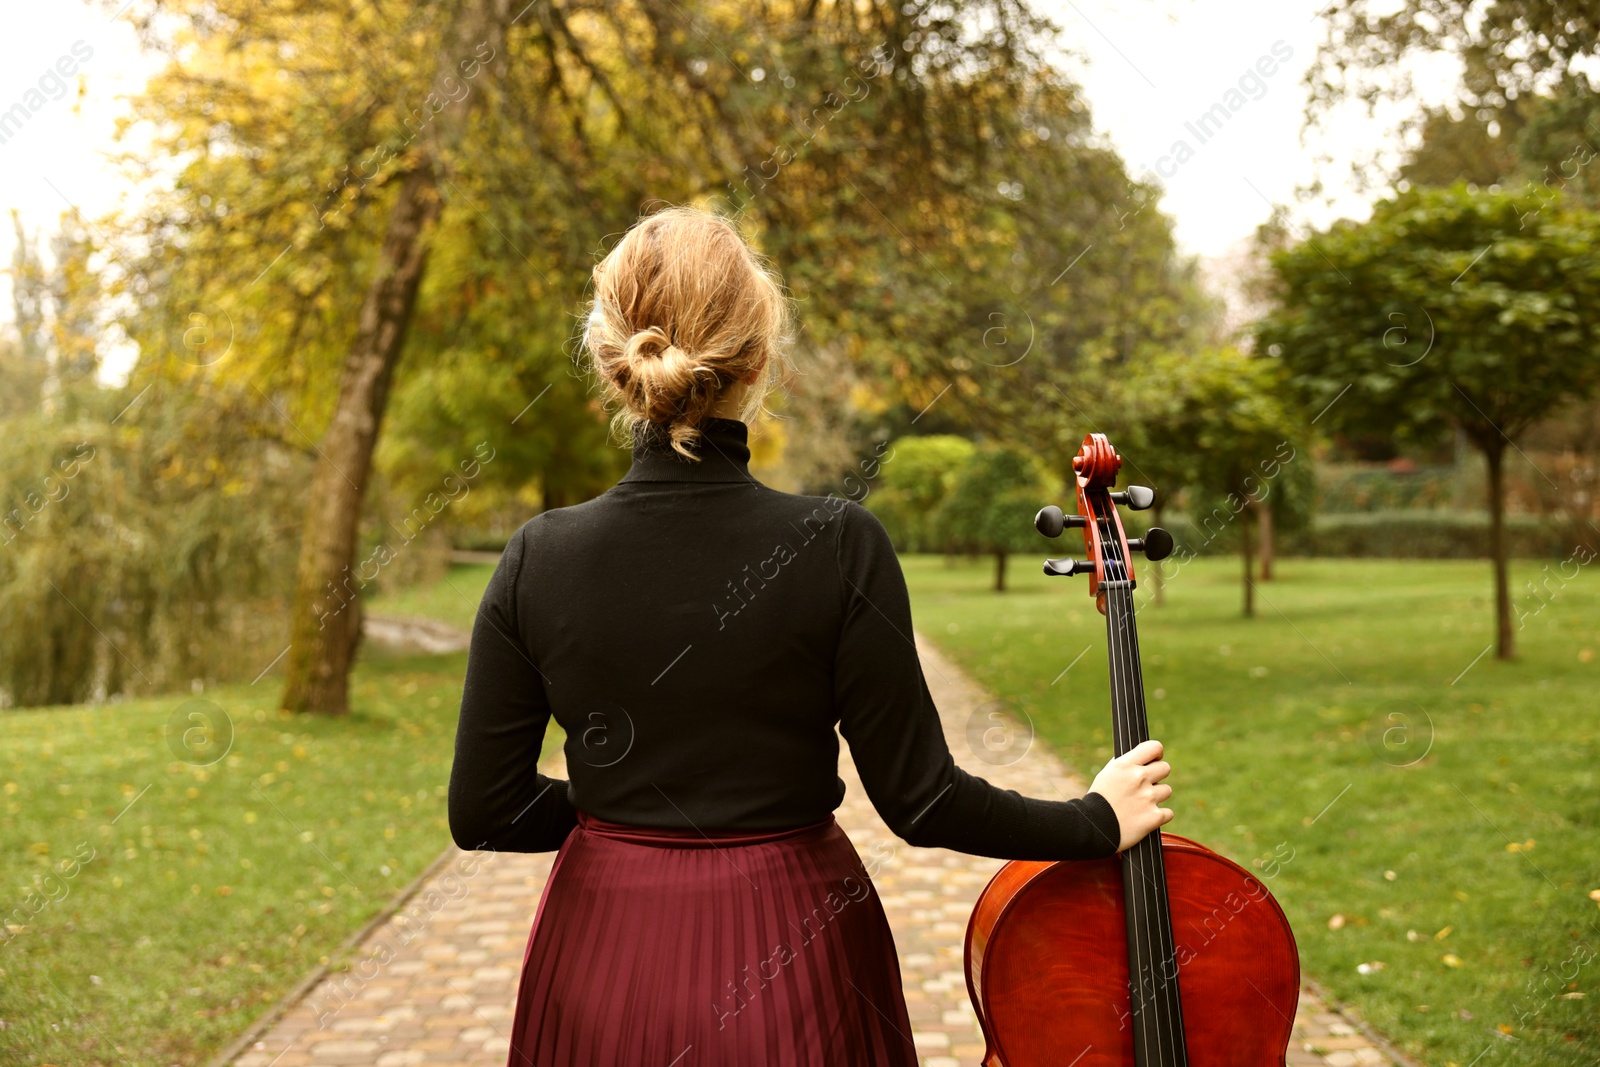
1155 1011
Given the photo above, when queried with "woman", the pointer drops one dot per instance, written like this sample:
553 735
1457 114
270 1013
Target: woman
699 637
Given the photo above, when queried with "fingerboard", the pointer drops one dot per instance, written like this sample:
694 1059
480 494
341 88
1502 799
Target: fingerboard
1155 1012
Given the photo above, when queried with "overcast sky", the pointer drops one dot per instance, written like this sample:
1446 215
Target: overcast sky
1151 70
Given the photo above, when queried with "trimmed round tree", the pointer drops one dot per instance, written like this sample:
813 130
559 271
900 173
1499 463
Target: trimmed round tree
1216 418
917 475
992 502
1448 309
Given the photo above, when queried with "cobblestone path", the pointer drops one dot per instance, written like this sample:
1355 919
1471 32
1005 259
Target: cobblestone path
435 984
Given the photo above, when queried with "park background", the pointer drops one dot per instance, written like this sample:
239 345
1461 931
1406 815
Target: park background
323 347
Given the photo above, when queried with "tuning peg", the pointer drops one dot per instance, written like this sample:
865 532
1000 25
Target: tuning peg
1134 498
1156 544
1050 521
1058 568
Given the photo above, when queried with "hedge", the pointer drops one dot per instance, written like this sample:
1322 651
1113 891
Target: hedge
1408 534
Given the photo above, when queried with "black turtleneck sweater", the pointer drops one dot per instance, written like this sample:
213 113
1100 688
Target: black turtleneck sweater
699 636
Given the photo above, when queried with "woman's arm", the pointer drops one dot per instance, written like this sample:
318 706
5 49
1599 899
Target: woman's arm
889 718
498 800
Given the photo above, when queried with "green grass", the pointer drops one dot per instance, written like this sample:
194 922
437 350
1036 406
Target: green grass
173 903
452 599
203 903
1280 735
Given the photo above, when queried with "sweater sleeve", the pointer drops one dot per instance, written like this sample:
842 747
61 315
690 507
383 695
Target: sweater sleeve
889 719
498 799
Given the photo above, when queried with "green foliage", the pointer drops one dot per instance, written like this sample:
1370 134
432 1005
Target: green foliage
142 530
453 598
915 479
141 553
24 363
1448 308
1218 423
906 170
1535 142
1289 737
1510 55
991 503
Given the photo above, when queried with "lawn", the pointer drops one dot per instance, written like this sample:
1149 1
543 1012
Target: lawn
452 599
156 906
1465 874
1431 825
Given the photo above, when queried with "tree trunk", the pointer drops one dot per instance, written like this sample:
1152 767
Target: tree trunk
326 623
1264 520
1249 576
1494 457
999 572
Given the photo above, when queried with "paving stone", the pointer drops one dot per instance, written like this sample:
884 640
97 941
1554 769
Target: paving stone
446 995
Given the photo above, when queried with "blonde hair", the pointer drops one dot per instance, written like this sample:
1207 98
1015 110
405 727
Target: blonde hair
683 308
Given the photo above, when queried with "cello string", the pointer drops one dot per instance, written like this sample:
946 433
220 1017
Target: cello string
1160 923
1138 912
1146 856
1124 742
1142 907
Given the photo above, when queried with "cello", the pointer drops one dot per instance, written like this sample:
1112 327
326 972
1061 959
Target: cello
1165 955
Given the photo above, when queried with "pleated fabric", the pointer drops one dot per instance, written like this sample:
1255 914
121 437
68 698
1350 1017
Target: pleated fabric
671 948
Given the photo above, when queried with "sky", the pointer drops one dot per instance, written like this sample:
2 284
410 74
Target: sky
1151 69
57 157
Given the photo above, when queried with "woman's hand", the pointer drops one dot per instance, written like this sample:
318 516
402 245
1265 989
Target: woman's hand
1133 785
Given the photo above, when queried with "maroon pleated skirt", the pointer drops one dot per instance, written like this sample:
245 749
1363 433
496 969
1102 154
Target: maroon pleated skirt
668 948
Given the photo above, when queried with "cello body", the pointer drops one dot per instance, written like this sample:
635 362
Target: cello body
1164 955
1047 963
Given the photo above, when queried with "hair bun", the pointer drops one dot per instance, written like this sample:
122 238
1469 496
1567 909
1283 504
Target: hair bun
683 308
662 382
651 343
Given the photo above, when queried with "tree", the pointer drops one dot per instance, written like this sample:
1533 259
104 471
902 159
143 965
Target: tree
1218 420
1505 47
139 528
916 478
365 144
1448 308
991 505
1523 77
25 365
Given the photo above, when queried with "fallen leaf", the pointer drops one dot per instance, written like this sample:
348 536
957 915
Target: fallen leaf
1335 921
1450 959
1444 933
